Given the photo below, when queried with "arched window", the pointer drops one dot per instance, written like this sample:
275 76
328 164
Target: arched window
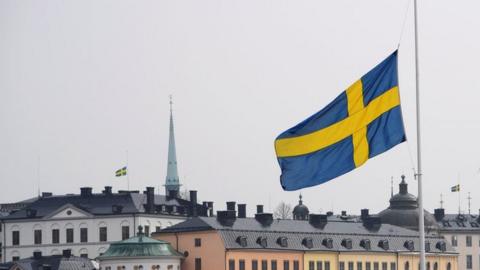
435 266
449 266
428 265
407 266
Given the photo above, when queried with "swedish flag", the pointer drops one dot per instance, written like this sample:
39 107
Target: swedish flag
455 188
121 172
362 122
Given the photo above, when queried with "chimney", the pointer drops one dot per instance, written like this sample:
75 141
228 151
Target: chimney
231 206
67 253
439 214
193 196
259 209
226 218
264 218
46 194
364 214
372 223
242 210
107 190
85 191
210 209
318 221
150 200
37 255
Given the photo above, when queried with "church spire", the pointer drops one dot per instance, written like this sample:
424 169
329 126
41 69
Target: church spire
172 182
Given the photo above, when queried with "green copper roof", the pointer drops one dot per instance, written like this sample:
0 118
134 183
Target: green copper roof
140 246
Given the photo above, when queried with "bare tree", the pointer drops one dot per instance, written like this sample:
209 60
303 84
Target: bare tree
283 211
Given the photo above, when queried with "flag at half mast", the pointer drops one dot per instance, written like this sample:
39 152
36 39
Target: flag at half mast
362 122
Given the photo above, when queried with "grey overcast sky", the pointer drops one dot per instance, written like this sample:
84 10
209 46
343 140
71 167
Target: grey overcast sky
81 82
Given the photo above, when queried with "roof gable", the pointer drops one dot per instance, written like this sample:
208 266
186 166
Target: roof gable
68 211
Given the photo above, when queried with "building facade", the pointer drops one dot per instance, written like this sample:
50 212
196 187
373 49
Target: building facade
87 223
232 242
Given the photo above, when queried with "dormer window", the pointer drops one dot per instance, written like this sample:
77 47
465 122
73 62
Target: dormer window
242 241
347 243
262 241
383 244
307 242
164 208
282 241
365 243
441 246
409 245
328 243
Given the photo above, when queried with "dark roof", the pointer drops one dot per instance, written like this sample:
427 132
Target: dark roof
56 262
459 222
102 204
295 231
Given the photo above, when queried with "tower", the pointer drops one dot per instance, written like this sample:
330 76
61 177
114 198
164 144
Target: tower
172 183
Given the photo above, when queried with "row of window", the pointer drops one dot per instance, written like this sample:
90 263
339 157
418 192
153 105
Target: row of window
368 266
256 265
468 241
140 267
69 235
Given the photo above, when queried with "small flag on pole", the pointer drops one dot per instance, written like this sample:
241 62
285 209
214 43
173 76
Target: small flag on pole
121 172
455 188
363 121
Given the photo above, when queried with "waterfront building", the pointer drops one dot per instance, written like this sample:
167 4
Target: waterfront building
140 252
235 242
53 262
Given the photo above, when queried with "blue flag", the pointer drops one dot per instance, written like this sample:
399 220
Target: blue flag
363 121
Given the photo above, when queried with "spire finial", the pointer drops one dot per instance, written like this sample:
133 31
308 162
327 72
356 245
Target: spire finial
300 199
469 199
171 103
441 200
391 187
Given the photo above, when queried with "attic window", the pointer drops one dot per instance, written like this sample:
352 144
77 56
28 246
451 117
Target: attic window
164 208
460 224
365 243
446 223
409 245
262 241
347 243
474 224
441 246
383 244
242 241
327 242
307 242
282 241
427 246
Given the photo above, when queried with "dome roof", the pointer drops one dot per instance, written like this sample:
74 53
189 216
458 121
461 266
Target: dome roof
140 246
403 211
300 211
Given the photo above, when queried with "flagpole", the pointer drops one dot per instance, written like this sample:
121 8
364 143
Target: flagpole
128 174
421 225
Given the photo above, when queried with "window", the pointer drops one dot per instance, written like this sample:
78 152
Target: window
84 255
342 266
37 237
385 266
428 265
454 241
449 266
55 236
311 265
241 264
83 235
273 264
469 261
319 265
375 266
296 265
102 234
69 237
359 265
407 266
393 266
198 264
254 265
15 258
350 265
286 265
327 265
147 230
108 268
469 240
231 264
264 264
198 242
158 228
435 266
125 232
368 266
15 238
